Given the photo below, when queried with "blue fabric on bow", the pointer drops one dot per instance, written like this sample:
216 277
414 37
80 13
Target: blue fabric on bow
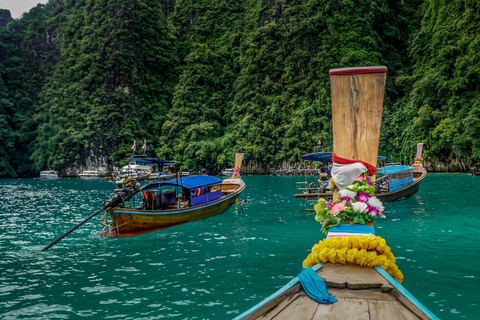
314 286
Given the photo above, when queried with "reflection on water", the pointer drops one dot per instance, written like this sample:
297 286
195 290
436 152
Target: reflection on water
218 267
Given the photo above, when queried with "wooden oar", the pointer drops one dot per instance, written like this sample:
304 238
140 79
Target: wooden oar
78 225
117 198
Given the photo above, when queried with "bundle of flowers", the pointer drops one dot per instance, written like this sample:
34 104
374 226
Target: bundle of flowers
356 203
365 251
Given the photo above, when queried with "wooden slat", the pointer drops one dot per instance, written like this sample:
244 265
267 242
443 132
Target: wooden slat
302 308
270 314
353 277
381 310
271 307
407 313
373 294
405 301
343 309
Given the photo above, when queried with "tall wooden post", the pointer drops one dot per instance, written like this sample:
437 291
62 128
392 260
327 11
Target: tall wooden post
357 105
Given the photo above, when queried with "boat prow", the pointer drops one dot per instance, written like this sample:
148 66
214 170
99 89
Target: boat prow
362 293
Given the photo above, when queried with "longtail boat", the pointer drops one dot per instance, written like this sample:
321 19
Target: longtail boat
163 204
352 274
397 182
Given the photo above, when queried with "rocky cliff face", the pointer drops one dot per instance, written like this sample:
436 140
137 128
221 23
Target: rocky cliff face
5 17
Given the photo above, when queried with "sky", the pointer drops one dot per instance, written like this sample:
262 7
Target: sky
18 7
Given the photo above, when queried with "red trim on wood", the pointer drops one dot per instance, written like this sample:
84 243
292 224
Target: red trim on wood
361 70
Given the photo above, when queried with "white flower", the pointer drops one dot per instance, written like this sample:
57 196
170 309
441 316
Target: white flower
377 204
359 206
347 193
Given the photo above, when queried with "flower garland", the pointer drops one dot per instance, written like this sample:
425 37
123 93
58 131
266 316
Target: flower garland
356 203
365 251
236 172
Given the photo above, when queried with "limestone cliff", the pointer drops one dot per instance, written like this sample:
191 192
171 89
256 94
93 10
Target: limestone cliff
5 17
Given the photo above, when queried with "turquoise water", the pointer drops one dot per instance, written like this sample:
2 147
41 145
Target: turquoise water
218 267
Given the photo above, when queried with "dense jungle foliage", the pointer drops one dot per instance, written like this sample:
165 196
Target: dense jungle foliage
201 80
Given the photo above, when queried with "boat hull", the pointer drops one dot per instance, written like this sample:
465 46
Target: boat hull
131 222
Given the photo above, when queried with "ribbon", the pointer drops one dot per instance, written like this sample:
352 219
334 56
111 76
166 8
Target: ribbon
371 169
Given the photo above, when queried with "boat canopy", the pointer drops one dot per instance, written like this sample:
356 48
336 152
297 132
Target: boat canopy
324 157
152 161
393 169
189 182
398 176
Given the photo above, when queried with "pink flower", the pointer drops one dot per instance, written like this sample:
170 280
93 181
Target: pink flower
363 197
359 178
369 181
337 208
329 204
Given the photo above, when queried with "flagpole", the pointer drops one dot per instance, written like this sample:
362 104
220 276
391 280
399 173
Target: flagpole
134 147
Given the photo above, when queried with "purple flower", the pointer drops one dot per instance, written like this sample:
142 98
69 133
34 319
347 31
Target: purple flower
363 197
347 199
373 212
369 181
329 204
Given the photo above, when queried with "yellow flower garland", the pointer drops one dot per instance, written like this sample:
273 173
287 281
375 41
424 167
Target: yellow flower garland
353 250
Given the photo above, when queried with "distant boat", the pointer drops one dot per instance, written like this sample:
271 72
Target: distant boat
49 175
89 174
134 171
227 172
475 170
394 182
162 204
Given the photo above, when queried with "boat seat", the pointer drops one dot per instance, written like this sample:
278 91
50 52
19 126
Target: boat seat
165 199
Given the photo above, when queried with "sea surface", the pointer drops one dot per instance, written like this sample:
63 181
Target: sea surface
218 267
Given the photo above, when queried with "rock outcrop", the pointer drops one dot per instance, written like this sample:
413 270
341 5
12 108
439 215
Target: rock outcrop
5 17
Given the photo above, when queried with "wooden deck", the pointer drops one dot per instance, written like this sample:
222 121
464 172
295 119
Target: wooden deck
362 293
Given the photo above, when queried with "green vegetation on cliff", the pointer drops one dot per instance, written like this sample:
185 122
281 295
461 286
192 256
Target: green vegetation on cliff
201 80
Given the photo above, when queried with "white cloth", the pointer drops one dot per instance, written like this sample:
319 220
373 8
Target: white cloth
344 174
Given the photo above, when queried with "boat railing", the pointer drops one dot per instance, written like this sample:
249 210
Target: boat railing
306 187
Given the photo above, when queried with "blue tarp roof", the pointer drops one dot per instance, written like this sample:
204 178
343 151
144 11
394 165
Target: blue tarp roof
152 161
324 157
393 169
189 182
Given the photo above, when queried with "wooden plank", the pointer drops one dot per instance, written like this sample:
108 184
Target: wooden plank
407 313
381 310
353 277
288 296
302 308
357 105
373 294
344 308
409 304
273 311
